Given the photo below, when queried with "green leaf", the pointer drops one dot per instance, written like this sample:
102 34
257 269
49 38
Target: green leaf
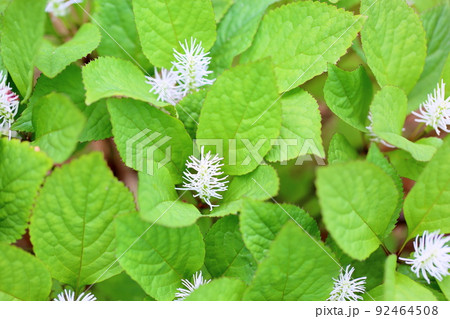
388 115
58 124
223 289
406 165
297 268
158 201
120 287
72 226
301 38
22 31
300 128
221 7
242 107
261 184
51 60
161 256
119 34
394 42
23 276
340 150
22 172
144 135
348 95
236 31
261 222
162 24
428 203
358 201
436 23
188 110
445 286
226 254
108 77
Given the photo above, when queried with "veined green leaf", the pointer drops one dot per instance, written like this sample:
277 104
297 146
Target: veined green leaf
340 150
221 7
222 289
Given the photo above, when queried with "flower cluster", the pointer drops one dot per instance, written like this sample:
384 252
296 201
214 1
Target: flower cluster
9 104
346 288
60 8
69 295
435 111
431 255
188 74
205 181
198 281
373 137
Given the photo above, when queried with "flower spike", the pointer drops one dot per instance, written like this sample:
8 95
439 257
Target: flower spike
69 295
60 8
197 281
9 104
165 86
346 288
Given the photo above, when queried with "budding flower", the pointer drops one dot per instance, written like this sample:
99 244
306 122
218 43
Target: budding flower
372 136
435 111
164 84
190 287
9 104
431 255
69 295
346 288
60 8
204 181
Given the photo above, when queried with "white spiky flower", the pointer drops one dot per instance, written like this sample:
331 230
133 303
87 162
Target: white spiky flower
372 136
164 84
205 179
69 295
9 105
431 255
60 8
197 281
346 288
192 66
435 111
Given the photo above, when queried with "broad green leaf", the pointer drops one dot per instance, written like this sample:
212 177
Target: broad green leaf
241 111
221 7
119 34
297 268
436 23
51 59
348 95
261 184
22 172
358 201
340 150
394 42
159 202
188 110
445 286
145 135
428 203
300 128
222 289
388 115
236 31
424 5
301 38
163 24
108 77
69 82
158 257
406 165
226 254
23 276
22 31
261 222
3 5
72 226
119 288
58 124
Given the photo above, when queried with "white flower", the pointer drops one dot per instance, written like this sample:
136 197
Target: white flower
372 136
60 8
190 287
435 111
346 288
69 295
204 181
431 255
9 104
164 84
192 66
